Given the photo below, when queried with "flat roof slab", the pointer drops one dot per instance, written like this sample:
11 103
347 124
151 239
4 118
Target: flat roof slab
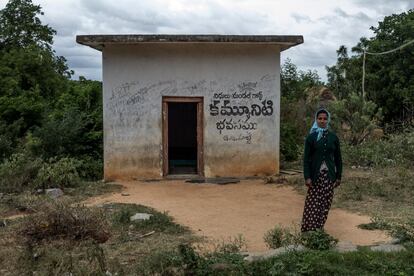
99 41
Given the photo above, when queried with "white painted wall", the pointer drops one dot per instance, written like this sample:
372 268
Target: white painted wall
135 78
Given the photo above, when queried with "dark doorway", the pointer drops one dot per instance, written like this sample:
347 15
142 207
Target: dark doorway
183 135
182 138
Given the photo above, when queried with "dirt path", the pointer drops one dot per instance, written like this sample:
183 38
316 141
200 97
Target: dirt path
249 208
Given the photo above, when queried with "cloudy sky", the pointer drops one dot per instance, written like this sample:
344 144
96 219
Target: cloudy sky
325 24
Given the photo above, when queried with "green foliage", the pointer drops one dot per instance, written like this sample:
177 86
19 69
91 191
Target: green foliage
18 172
289 144
20 25
41 110
333 263
58 173
376 223
392 150
294 82
318 240
404 231
159 222
358 118
388 83
280 236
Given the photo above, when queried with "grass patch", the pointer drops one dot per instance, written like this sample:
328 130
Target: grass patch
363 262
282 236
67 240
59 220
30 202
159 222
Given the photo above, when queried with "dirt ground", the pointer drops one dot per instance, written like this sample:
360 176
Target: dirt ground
250 208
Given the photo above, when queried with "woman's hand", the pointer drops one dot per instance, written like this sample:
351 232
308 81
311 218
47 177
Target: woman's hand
308 182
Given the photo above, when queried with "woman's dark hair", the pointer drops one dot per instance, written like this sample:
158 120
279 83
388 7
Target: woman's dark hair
322 111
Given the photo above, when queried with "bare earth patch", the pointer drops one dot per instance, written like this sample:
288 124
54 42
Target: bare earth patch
249 208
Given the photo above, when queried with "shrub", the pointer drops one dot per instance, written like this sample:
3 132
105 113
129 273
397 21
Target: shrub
17 172
58 173
376 223
318 240
404 231
90 168
58 220
289 146
393 150
233 245
361 117
278 237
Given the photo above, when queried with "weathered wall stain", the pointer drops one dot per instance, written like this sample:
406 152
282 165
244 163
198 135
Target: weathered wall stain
241 106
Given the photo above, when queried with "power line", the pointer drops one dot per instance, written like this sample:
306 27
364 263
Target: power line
378 54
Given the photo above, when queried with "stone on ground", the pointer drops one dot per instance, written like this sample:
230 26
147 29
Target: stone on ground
388 247
54 193
346 246
140 216
256 256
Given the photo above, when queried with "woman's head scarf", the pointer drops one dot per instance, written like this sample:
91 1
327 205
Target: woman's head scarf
316 128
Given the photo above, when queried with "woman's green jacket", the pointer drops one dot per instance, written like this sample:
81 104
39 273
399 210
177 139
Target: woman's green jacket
326 149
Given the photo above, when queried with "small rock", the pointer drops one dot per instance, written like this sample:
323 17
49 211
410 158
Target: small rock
346 246
125 194
256 256
40 191
395 241
353 167
131 226
54 193
388 247
140 216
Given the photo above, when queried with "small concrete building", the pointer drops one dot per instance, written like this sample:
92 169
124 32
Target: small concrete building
206 105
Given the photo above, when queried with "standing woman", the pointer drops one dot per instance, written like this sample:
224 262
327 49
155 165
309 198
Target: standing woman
322 168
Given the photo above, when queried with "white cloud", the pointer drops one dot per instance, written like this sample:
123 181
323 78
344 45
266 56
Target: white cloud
324 24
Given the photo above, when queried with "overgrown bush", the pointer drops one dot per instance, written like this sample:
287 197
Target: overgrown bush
318 240
90 168
59 220
393 150
18 172
404 231
354 119
289 145
60 173
280 236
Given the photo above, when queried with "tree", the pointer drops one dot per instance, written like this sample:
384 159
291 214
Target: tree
31 75
20 26
294 82
388 81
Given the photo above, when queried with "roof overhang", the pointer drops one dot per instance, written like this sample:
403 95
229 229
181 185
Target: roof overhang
98 42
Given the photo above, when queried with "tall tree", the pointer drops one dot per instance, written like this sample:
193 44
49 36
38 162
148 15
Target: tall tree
389 78
20 26
31 74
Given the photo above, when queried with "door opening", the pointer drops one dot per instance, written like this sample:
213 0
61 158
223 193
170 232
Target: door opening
182 135
182 138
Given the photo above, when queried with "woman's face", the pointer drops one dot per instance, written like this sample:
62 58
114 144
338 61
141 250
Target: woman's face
322 120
